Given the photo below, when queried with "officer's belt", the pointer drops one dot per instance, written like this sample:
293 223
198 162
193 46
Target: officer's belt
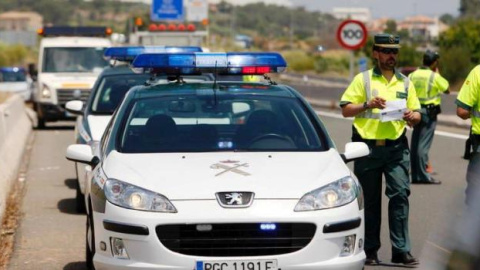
384 142
429 98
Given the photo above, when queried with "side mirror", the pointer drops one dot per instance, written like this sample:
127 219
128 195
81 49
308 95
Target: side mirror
355 150
81 153
74 107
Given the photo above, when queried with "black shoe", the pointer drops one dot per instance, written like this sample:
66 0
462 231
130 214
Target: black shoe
404 258
432 181
372 258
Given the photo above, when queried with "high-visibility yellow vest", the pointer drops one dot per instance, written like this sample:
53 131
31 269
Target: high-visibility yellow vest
429 86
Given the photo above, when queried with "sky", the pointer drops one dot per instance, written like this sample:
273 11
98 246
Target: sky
396 9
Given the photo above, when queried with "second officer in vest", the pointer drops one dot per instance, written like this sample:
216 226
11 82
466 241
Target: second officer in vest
429 86
384 87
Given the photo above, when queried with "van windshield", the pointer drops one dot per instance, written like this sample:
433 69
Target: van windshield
73 59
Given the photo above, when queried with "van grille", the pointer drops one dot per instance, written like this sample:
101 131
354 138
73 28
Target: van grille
65 95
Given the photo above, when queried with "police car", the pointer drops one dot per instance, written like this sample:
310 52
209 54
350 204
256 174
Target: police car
220 175
15 80
106 94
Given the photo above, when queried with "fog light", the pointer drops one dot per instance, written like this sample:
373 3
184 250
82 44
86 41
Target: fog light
348 246
119 250
360 243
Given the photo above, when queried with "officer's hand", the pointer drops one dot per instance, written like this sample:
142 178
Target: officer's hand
412 118
377 102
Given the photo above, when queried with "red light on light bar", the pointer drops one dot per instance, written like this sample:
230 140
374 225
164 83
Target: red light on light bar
255 70
248 70
263 70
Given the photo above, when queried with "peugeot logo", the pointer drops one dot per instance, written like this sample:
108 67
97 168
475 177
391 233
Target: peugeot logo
236 199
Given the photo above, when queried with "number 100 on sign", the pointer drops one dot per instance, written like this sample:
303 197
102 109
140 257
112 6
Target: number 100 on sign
352 34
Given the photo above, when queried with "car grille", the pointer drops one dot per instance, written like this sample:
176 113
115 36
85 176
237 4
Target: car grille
65 95
240 239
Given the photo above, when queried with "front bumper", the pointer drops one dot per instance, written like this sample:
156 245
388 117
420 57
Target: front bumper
147 252
52 112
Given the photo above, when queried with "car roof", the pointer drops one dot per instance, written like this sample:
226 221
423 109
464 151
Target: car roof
115 70
223 88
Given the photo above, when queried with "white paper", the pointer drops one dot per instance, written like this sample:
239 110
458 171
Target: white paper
394 110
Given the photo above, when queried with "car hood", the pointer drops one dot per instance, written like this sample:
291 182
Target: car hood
14 86
183 176
98 124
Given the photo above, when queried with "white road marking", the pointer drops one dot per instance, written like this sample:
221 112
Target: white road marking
437 132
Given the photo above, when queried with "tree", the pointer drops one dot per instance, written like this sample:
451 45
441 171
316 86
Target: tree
447 19
391 26
470 8
462 42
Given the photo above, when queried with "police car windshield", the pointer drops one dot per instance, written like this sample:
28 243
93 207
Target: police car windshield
73 59
12 76
112 89
204 122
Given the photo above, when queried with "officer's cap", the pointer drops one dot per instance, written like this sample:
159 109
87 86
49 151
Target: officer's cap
387 41
430 56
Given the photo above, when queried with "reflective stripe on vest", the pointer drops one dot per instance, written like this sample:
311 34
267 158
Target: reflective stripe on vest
366 80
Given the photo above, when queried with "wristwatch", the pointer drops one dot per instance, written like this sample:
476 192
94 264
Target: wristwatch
365 105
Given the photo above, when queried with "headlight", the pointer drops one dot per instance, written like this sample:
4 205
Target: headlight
335 194
133 197
46 93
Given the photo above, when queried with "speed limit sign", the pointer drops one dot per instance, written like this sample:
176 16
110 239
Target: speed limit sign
352 34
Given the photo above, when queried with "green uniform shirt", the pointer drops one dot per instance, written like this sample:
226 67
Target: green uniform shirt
429 85
468 97
379 86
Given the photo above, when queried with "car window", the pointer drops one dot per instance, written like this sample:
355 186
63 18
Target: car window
73 59
112 89
203 122
11 76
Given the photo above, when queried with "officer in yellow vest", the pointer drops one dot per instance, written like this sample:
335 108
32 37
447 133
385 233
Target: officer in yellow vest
468 106
466 254
384 87
429 86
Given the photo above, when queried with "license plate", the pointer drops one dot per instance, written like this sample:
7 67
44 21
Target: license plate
237 265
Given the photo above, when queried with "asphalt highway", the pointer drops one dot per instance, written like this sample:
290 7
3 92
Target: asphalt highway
52 234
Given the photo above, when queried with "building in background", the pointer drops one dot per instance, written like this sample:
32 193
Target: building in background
19 27
422 27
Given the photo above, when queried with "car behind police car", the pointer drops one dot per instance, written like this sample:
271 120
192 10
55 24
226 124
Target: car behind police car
220 175
108 91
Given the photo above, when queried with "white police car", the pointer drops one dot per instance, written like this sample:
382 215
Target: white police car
15 80
220 175
108 91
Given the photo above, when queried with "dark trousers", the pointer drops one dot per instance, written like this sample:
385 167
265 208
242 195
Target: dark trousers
422 138
393 162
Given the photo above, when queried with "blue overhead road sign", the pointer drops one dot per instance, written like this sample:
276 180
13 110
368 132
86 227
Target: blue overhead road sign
167 10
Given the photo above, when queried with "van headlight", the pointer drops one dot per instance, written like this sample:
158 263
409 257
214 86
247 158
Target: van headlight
133 197
338 193
46 93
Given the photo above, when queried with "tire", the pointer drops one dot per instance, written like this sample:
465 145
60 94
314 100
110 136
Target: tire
79 197
41 123
79 200
89 233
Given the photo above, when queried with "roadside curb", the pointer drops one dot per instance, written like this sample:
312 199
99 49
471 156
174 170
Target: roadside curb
15 129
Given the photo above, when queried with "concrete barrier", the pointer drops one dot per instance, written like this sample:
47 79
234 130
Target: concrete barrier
15 128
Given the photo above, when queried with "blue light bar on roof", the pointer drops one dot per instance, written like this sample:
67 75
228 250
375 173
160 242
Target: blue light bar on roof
232 63
12 69
129 53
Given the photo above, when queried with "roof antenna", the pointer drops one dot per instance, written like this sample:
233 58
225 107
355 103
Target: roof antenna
266 77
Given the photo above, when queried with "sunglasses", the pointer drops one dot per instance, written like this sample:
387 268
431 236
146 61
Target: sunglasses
388 50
